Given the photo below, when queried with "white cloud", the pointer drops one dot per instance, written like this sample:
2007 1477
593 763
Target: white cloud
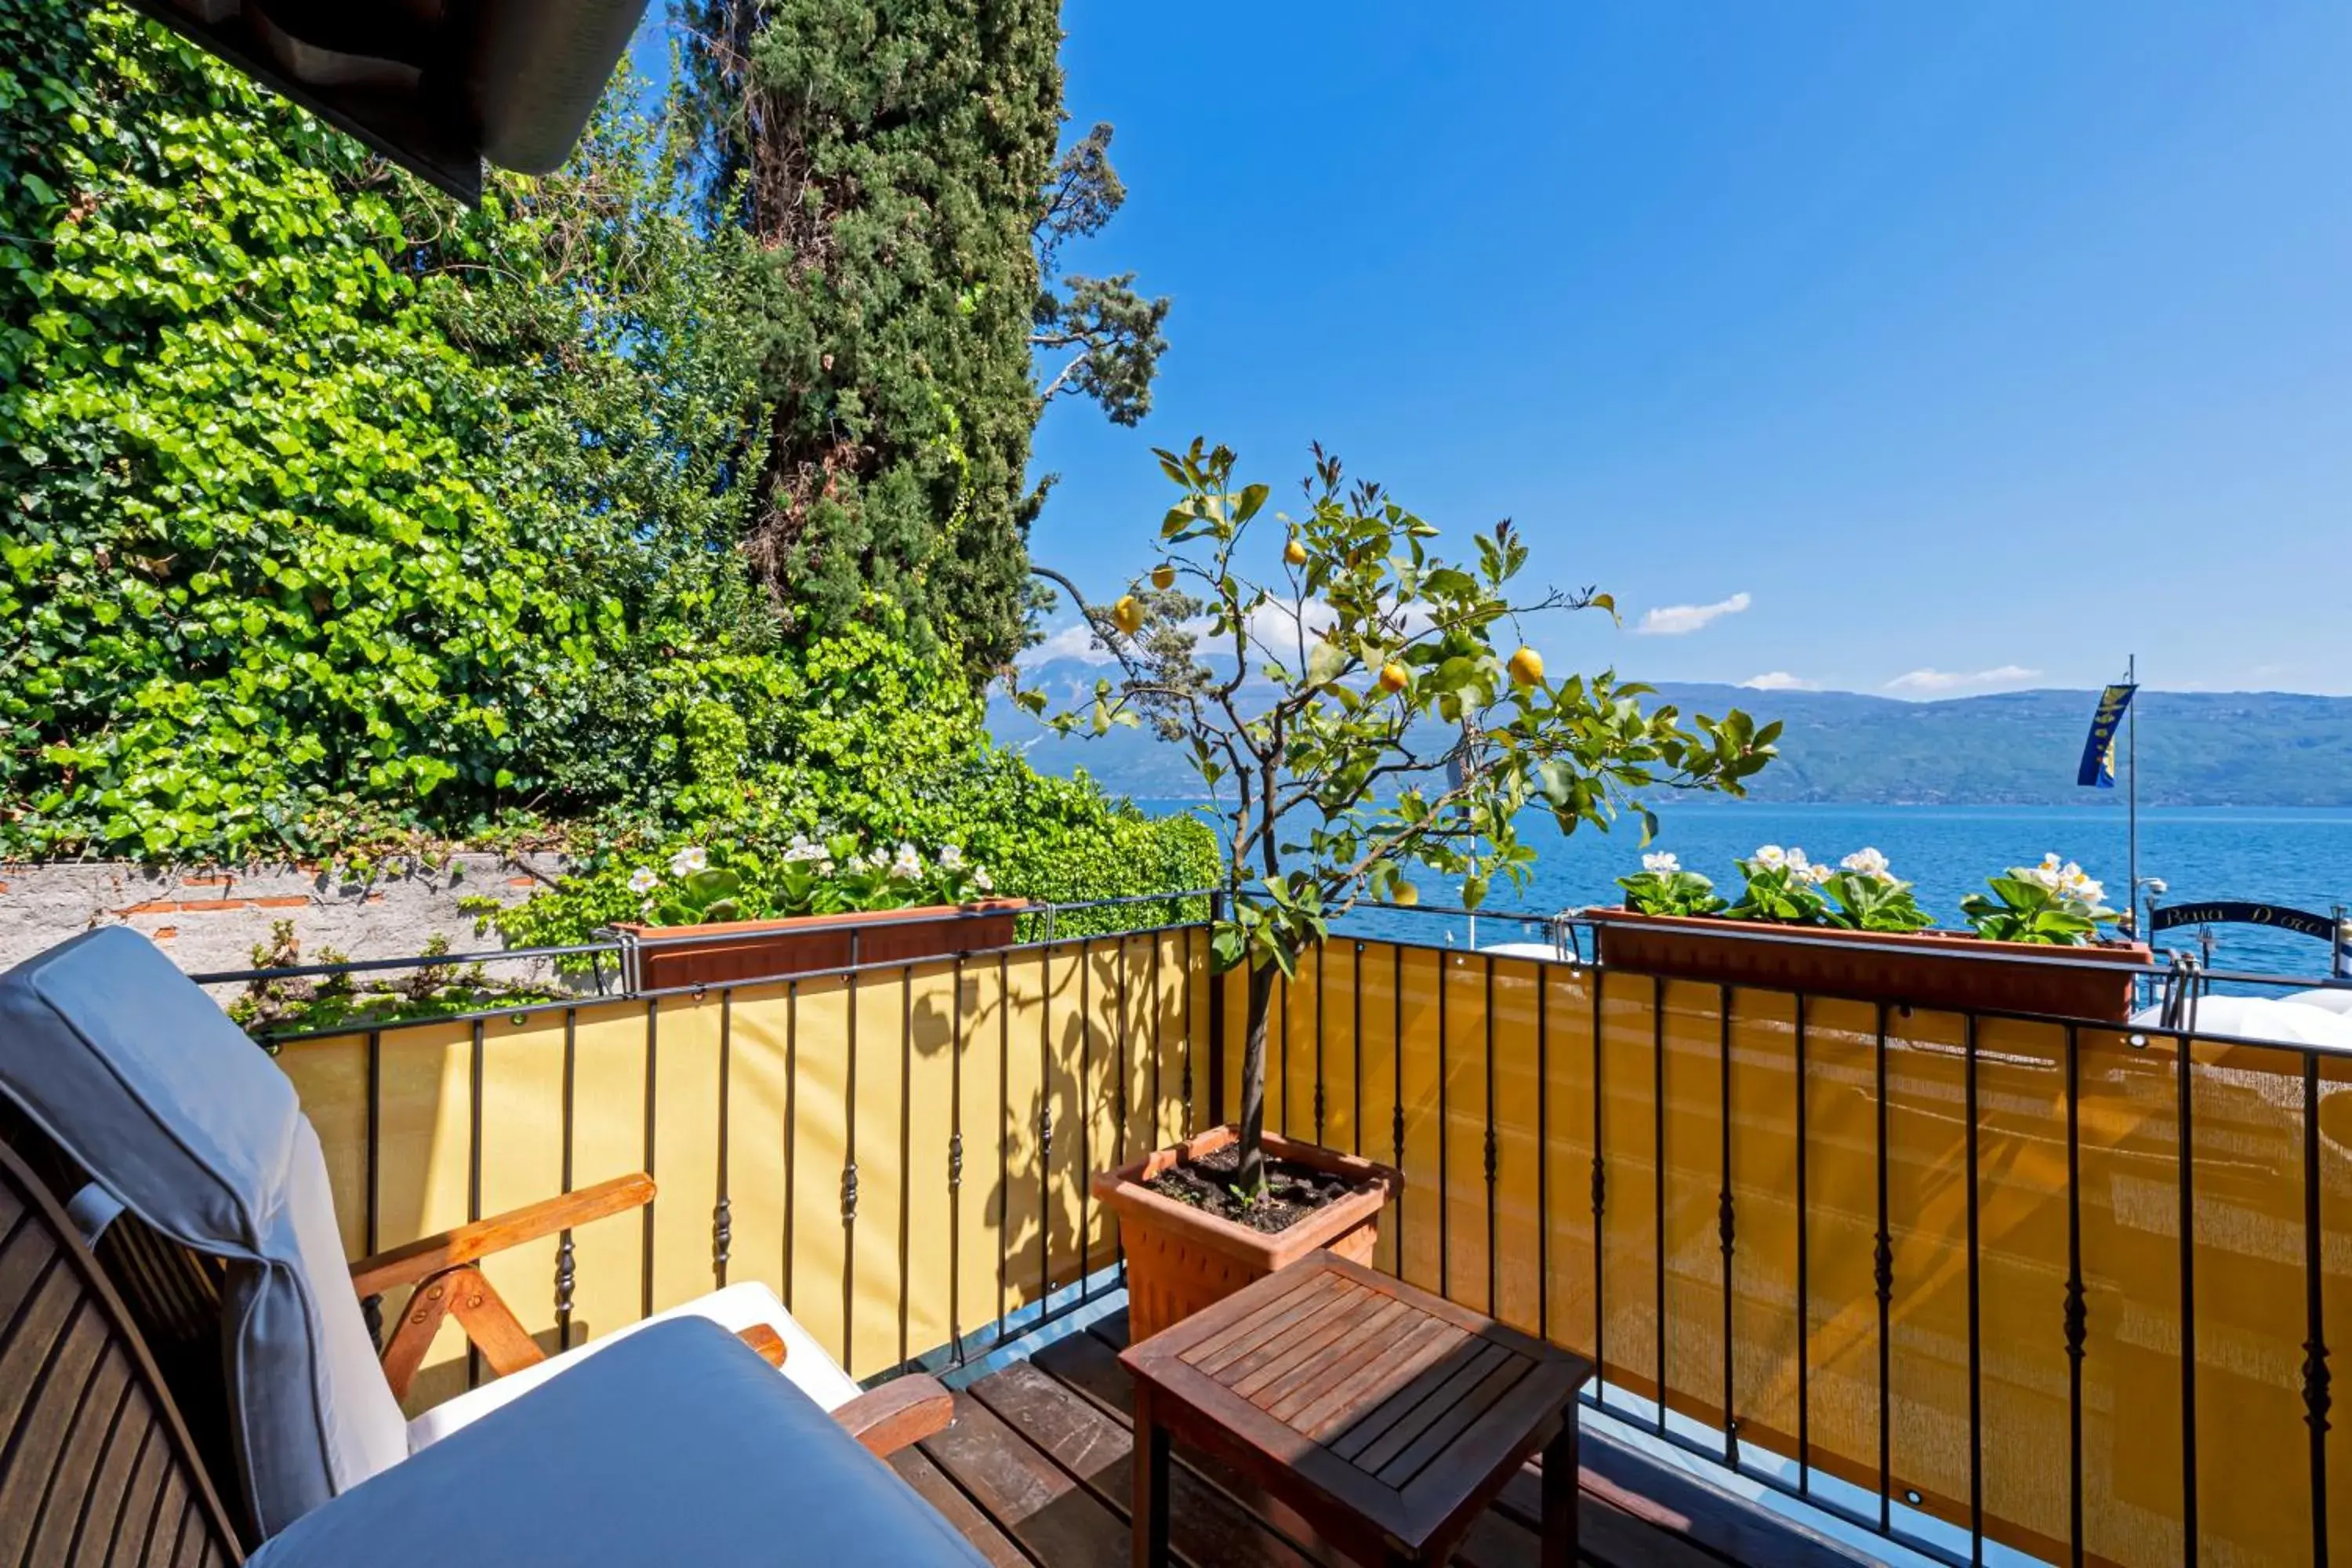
1952 680
1075 641
1680 620
1780 680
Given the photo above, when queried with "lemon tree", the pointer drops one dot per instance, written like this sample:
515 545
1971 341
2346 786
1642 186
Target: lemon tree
1367 711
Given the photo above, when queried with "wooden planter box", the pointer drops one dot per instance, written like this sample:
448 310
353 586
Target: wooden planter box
1180 1259
658 958
1924 969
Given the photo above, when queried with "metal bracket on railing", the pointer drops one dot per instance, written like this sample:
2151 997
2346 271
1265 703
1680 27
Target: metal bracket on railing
723 1235
2184 985
849 1192
955 1161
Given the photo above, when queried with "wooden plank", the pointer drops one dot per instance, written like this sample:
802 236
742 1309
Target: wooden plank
1088 1365
1722 1522
1302 1326
1031 1498
1458 1414
1403 1414
1309 1357
1208 1529
1245 1330
1368 1385
1342 1362
949 1502
1611 1534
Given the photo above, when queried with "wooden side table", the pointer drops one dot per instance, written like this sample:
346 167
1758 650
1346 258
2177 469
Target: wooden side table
1386 1417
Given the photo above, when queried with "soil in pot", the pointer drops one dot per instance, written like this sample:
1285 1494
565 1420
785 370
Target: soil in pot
1292 1191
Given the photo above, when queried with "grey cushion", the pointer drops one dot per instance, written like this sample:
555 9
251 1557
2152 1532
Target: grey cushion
677 1447
139 1077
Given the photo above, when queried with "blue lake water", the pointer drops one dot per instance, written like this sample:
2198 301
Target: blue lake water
2297 857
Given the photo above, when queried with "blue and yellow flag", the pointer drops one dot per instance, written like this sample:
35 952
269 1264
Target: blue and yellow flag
2098 769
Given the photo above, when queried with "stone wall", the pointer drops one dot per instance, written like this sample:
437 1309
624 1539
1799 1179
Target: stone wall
210 919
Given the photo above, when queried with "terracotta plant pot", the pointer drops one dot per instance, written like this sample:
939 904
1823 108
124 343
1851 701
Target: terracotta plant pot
1924 969
658 958
1180 1259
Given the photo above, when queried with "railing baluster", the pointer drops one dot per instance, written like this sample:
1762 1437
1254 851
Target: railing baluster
1396 1108
1356 1025
2316 1399
1159 1045
1281 1023
1883 1255
1045 1125
905 1150
1086 1110
1444 1159
1003 1137
1543 1154
791 1129
2185 1157
1658 1172
1318 1044
955 1165
849 1168
2077 1313
1976 1311
1599 1201
1494 1305
646 1219
1724 1229
567 1271
1804 1283
723 1214
474 1175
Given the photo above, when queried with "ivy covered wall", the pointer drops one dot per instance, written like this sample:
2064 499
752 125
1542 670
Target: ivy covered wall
338 518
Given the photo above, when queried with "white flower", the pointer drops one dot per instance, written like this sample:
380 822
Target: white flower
644 881
1661 864
1797 861
1869 862
801 850
950 857
689 860
2088 891
1771 857
1816 875
825 867
982 880
907 865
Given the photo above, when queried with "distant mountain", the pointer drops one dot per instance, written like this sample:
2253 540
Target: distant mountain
2020 748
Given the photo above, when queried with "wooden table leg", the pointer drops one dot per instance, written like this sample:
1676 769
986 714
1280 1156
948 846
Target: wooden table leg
1150 1483
1559 1496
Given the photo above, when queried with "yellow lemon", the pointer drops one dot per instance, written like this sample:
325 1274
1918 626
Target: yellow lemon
1527 667
1404 893
1393 677
1295 553
1164 577
1128 614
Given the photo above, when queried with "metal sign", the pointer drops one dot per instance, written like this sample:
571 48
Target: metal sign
2230 911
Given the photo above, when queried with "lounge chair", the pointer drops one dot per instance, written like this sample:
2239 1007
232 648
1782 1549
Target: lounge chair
678 1446
186 1157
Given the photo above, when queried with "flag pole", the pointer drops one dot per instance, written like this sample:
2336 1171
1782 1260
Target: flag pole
2131 747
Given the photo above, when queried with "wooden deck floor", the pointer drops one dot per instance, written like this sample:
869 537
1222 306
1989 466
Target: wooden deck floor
1037 1469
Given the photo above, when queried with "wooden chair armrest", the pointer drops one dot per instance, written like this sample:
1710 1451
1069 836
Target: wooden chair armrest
901 1412
428 1255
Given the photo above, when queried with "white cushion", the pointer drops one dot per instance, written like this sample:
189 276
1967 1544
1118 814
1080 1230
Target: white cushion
735 1309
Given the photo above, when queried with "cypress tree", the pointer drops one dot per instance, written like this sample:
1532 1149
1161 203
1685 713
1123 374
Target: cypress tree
897 162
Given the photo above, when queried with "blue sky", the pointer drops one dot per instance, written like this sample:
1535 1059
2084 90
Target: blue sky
1903 348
